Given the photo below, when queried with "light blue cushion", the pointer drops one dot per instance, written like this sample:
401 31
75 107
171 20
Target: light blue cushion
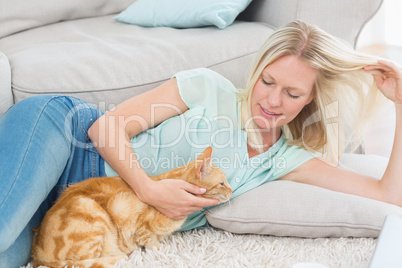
183 13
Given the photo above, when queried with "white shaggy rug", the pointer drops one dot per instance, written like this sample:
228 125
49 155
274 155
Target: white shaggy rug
216 248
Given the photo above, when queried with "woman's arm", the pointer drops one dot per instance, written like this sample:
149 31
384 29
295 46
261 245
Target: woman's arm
319 173
389 188
390 84
111 136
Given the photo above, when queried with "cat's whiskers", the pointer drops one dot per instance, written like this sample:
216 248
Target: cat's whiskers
228 202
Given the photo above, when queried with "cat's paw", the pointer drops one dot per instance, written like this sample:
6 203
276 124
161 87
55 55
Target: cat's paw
154 244
134 247
124 257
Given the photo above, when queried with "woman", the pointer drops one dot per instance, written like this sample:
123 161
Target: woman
279 127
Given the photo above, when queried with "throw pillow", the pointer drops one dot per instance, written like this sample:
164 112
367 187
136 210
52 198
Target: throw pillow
285 208
182 14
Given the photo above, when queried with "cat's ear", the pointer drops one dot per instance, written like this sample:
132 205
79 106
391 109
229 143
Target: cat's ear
203 163
207 153
204 168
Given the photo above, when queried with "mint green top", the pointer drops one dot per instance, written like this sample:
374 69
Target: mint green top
212 120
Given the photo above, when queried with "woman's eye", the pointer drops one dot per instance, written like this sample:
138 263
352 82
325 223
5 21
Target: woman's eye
266 83
292 96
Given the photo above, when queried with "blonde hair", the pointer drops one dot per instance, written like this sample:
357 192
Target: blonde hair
344 93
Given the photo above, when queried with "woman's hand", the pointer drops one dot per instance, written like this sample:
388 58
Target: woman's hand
389 81
174 198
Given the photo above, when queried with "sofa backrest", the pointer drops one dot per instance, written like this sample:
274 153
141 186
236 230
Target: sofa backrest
342 18
20 15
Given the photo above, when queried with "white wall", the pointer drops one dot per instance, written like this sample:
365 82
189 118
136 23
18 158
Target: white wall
385 27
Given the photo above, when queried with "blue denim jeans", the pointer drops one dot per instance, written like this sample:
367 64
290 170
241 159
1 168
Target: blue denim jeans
44 146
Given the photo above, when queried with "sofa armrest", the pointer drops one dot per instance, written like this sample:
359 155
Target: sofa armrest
6 96
342 18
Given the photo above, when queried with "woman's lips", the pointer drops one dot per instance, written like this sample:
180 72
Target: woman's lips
268 114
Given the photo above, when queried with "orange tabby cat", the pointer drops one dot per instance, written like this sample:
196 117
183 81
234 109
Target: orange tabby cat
99 221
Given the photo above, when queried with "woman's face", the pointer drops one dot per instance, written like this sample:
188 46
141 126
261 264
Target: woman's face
283 89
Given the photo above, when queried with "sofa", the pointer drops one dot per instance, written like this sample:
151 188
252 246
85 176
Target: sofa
78 48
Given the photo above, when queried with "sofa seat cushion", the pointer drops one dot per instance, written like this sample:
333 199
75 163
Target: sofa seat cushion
104 62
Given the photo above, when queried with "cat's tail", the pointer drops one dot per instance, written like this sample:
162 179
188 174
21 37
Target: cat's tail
103 262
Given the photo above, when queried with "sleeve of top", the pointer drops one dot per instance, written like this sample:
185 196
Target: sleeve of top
291 158
205 88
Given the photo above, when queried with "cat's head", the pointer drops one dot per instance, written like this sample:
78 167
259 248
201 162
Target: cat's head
212 178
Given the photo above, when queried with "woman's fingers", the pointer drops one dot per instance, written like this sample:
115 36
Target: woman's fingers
378 79
388 68
176 198
191 188
389 64
388 79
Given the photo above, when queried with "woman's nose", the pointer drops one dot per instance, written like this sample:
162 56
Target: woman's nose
274 98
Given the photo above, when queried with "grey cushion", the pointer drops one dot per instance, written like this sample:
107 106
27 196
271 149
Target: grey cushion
19 15
285 208
98 59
